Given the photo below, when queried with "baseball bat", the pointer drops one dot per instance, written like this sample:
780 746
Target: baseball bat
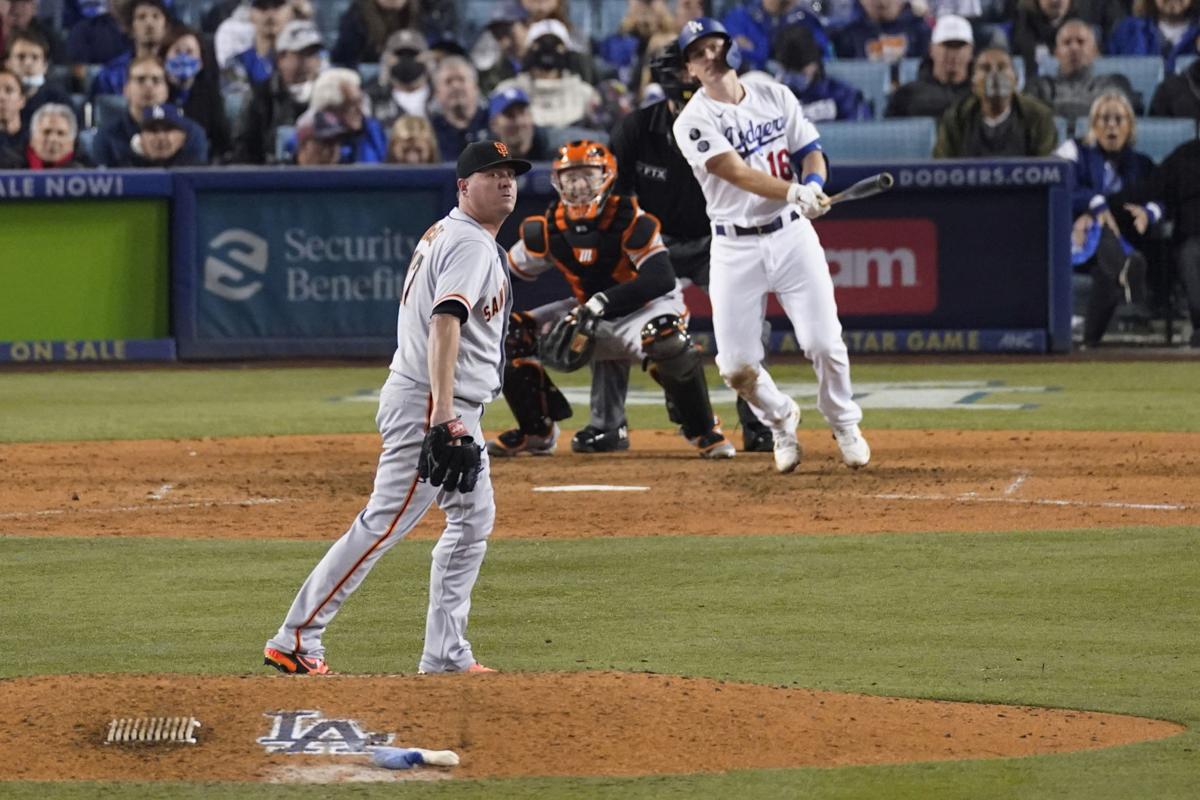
867 187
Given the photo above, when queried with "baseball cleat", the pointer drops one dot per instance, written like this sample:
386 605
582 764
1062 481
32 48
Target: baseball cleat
787 446
590 439
294 663
855 450
757 439
474 669
713 445
514 443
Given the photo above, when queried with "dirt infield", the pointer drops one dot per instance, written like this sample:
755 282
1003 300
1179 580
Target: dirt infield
583 723
591 723
312 486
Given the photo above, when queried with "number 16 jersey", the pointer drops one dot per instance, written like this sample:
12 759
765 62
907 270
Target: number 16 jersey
767 129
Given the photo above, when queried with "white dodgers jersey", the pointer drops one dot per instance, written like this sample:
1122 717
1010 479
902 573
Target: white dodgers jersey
457 261
766 128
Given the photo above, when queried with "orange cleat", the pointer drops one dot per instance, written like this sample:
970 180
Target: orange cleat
294 663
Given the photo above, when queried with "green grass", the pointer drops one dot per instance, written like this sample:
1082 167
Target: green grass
1100 620
253 400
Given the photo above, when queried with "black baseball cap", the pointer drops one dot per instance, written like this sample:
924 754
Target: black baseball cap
487 154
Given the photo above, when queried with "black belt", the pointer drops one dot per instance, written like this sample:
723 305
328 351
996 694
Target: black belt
757 230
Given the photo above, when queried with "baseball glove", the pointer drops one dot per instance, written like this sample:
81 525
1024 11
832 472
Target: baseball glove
450 457
570 343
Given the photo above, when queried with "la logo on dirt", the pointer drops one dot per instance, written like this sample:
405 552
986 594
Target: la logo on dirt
304 732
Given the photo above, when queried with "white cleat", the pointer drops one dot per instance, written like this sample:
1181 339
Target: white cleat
787 446
855 450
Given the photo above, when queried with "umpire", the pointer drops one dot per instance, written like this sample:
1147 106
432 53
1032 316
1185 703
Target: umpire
650 166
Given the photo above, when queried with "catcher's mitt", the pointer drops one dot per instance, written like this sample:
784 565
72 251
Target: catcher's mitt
570 343
456 467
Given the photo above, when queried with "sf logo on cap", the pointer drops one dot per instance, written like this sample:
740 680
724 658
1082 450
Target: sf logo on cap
502 149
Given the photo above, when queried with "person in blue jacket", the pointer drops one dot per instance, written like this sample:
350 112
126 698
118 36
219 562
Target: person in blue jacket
147 22
801 70
146 89
755 24
1113 209
340 90
96 37
1167 28
887 31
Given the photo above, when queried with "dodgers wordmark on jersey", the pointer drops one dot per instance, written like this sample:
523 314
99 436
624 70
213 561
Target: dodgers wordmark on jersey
456 260
767 129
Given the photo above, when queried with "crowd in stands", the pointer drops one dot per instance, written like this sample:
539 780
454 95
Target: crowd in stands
128 83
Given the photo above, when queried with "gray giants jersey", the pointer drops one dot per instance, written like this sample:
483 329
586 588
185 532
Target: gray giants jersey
767 129
458 261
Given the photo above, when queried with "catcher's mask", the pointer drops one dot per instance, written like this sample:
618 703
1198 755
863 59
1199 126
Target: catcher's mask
583 174
666 69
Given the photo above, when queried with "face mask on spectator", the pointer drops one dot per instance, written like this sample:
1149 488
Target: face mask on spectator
407 69
548 53
997 84
301 92
32 82
90 9
798 82
183 67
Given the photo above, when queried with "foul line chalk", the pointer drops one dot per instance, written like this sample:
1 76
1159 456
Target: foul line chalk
972 498
1016 484
591 487
52 512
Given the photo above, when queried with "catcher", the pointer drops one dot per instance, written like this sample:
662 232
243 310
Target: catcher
627 308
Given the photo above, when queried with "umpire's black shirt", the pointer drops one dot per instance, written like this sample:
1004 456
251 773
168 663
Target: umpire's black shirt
651 166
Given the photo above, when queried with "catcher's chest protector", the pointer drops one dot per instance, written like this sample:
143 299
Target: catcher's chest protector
590 254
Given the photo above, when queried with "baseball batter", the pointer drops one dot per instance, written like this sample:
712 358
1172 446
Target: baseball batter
746 142
453 313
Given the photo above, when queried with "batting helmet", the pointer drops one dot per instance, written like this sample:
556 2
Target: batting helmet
700 27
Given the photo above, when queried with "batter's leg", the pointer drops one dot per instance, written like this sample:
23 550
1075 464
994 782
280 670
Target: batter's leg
457 558
397 504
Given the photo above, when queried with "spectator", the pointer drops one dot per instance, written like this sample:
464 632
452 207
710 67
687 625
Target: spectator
339 90
254 65
510 120
1165 28
23 16
995 120
163 140
51 141
1073 90
319 136
27 59
97 37
364 28
412 142
1112 208
283 98
456 115
1177 184
624 52
1035 28
559 96
539 10
554 15
217 13
1178 95
801 70
194 86
756 24
13 133
146 21
499 53
145 88
944 77
690 9
887 31
403 85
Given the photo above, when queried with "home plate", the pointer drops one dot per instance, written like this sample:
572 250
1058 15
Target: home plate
591 487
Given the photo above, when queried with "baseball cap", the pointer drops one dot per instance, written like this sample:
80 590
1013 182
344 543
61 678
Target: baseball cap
319 125
406 39
298 35
502 100
483 155
268 3
952 28
551 27
165 115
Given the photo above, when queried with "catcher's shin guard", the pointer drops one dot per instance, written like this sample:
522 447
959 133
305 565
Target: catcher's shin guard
534 399
677 367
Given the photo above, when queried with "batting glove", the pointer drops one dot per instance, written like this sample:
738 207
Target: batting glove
810 198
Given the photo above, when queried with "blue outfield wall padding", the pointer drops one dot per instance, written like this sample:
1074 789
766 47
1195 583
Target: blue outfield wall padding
87 351
85 184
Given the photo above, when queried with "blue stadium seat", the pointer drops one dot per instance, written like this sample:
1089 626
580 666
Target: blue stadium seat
1158 136
879 140
1183 62
872 78
107 107
1064 128
86 143
285 137
369 73
234 103
1144 72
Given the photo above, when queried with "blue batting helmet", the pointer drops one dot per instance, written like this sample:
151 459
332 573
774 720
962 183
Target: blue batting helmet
700 27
